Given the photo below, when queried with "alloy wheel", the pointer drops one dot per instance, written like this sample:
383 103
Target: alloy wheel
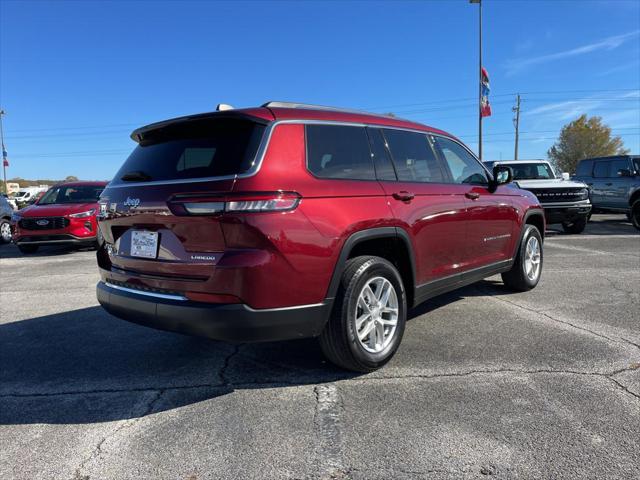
532 258
376 314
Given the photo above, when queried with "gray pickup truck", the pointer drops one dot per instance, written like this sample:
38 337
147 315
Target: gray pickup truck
564 201
614 184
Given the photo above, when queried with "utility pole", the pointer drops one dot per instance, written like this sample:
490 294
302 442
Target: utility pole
516 122
4 156
479 2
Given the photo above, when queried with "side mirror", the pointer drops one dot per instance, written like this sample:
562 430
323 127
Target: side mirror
565 176
501 175
624 172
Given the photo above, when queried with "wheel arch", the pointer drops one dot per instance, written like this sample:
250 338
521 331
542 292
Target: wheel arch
391 243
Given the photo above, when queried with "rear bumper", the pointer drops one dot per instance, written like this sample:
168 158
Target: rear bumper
58 239
560 214
227 322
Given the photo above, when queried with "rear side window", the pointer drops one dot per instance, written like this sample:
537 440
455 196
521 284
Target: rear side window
413 157
601 170
337 151
381 160
584 168
197 149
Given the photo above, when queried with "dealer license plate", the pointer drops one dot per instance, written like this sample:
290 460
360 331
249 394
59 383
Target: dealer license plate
144 244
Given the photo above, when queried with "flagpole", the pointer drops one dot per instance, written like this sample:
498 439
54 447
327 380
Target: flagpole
4 165
480 83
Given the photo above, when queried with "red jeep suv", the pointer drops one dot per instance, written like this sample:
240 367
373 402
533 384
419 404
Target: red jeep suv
65 214
289 221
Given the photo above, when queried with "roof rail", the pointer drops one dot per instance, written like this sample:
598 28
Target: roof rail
317 107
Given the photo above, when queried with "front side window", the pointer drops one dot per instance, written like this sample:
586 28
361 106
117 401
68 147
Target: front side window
463 166
413 157
601 170
617 165
338 151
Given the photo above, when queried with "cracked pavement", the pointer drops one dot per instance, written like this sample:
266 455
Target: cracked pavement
487 383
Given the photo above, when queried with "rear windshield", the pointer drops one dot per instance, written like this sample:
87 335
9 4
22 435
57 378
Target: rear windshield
71 194
206 148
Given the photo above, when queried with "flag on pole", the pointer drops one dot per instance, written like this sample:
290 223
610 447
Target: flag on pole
485 108
5 160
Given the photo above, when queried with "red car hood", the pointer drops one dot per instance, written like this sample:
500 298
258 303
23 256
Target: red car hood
58 210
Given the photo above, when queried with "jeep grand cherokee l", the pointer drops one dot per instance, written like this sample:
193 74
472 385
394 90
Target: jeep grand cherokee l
289 221
564 201
65 215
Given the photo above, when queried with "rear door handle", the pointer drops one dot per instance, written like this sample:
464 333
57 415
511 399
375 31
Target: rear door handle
608 184
404 196
472 195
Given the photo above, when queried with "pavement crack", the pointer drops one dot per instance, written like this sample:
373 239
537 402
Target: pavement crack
97 451
222 374
564 322
327 416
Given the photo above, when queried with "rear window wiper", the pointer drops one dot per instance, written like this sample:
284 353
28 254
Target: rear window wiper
137 176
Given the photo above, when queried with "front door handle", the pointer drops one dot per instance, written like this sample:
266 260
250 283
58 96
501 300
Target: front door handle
472 195
404 196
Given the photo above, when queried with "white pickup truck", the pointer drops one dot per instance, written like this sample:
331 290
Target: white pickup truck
564 201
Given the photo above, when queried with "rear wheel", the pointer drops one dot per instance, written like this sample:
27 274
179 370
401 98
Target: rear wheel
5 231
368 317
577 226
527 267
28 248
635 214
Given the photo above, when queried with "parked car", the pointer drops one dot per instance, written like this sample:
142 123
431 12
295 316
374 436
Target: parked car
66 214
6 210
564 201
614 184
25 196
289 221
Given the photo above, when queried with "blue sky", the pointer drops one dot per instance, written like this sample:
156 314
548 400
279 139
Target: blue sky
77 77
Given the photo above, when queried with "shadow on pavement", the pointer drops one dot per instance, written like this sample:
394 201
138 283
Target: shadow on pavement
44 361
599 225
11 251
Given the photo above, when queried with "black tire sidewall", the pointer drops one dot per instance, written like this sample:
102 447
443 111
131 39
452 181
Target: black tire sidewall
373 268
635 214
530 231
2 240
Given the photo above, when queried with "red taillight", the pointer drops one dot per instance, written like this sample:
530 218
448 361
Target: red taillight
234 203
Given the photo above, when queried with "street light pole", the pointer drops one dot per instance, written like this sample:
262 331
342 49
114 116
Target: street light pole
479 2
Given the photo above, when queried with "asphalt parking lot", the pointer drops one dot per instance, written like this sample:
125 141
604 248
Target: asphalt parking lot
487 383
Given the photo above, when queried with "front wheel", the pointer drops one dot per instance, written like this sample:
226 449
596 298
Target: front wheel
368 317
5 231
635 214
527 267
577 226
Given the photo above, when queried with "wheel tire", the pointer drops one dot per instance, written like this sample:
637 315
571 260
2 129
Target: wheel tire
28 248
339 340
517 278
635 214
5 231
577 226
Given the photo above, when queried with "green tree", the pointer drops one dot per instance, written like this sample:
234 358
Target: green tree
71 178
584 138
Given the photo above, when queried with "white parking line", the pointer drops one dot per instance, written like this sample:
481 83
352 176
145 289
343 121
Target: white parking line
587 237
588 250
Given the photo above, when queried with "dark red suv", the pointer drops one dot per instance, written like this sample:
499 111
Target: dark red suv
65 214
289 221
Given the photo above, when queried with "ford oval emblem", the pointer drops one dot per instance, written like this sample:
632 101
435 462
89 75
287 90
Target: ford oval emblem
132 202
42 222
